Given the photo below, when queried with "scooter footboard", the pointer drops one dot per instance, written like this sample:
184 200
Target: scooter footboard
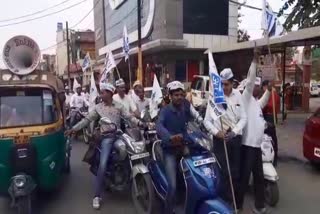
158 177
216 206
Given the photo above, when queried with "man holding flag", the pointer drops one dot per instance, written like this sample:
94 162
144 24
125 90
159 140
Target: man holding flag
226 127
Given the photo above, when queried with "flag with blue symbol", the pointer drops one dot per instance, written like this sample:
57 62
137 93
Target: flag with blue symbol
86 62
125 45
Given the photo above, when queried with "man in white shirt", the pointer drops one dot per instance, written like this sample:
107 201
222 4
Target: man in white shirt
252 138
124 99
77 101
138 97
230 131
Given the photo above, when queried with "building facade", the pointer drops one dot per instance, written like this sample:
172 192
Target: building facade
175 34
81 43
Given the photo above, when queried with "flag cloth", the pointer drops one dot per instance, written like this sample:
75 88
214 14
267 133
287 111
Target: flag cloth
125 45
93 93
269 21
109 65
156 98
86 62
216 94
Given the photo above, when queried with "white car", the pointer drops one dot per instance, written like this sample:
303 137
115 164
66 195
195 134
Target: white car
314 89
200 90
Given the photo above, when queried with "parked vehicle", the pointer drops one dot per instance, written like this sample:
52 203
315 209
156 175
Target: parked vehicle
200 90
314 90
201 175
311 139
127 165
269 172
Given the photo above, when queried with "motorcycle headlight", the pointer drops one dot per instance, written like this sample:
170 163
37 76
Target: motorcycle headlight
204 143
20 181
138 146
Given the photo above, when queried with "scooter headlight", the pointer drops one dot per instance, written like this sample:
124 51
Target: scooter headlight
20 181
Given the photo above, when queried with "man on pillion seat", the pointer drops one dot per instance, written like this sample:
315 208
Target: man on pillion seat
171 128
112 110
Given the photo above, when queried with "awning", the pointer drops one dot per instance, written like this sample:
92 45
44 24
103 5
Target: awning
303 37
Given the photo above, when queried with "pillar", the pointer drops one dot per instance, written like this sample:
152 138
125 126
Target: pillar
307 62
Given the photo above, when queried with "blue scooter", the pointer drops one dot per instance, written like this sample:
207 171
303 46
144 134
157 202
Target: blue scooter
201 175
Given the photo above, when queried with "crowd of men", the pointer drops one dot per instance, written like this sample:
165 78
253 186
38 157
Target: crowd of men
242 128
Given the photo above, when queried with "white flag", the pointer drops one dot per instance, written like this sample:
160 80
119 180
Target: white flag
216 95
125 45
86 62
109 65
269 21
156 98
93 93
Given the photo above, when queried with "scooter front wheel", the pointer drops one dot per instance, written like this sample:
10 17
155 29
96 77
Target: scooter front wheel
271 190
143 195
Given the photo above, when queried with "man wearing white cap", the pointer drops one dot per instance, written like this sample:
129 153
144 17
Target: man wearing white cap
171 128
77 101
138 97
124 99
114 111
229 129
252 138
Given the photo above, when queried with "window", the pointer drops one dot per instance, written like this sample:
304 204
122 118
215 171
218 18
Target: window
26 107
197 84
206 17
181 71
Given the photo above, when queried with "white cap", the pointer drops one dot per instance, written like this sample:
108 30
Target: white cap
226 74
258 81
67 87
120 82
76 84
175 85
136 83
107 87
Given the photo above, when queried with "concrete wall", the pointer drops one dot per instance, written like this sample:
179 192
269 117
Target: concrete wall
61 53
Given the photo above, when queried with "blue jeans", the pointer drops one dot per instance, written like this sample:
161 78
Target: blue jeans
170 166
106 147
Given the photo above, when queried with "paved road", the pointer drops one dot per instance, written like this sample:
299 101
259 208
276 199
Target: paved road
299 188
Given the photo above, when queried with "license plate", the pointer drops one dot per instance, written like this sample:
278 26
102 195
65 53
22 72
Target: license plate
204 161
22 153
317 152
140 156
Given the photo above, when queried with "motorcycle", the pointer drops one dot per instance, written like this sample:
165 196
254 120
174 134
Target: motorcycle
201 174
80 113
127 164
270 174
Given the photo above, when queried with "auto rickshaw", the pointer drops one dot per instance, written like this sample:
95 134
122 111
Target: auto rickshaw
34 152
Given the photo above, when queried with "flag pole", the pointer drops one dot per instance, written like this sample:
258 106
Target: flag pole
130 78
229 171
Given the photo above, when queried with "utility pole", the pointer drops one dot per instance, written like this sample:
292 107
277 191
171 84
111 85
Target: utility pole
68 55
140 70
104 23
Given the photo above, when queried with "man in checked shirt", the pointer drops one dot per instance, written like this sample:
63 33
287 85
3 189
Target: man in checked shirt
228 129
114 111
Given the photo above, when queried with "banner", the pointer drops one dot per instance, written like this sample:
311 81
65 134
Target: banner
86 62
269 21
216 97
93 92
125 45
109 65
156 98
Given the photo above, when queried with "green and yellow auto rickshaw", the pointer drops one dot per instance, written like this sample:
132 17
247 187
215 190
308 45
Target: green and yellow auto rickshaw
34 152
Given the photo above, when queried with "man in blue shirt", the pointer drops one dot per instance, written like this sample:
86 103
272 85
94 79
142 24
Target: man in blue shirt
171 128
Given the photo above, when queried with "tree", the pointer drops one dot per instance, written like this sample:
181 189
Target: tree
242 34
304 14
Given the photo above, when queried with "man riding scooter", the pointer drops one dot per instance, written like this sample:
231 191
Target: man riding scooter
112 110
77 101
171 128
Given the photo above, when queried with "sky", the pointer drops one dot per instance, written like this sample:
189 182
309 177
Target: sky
43 30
